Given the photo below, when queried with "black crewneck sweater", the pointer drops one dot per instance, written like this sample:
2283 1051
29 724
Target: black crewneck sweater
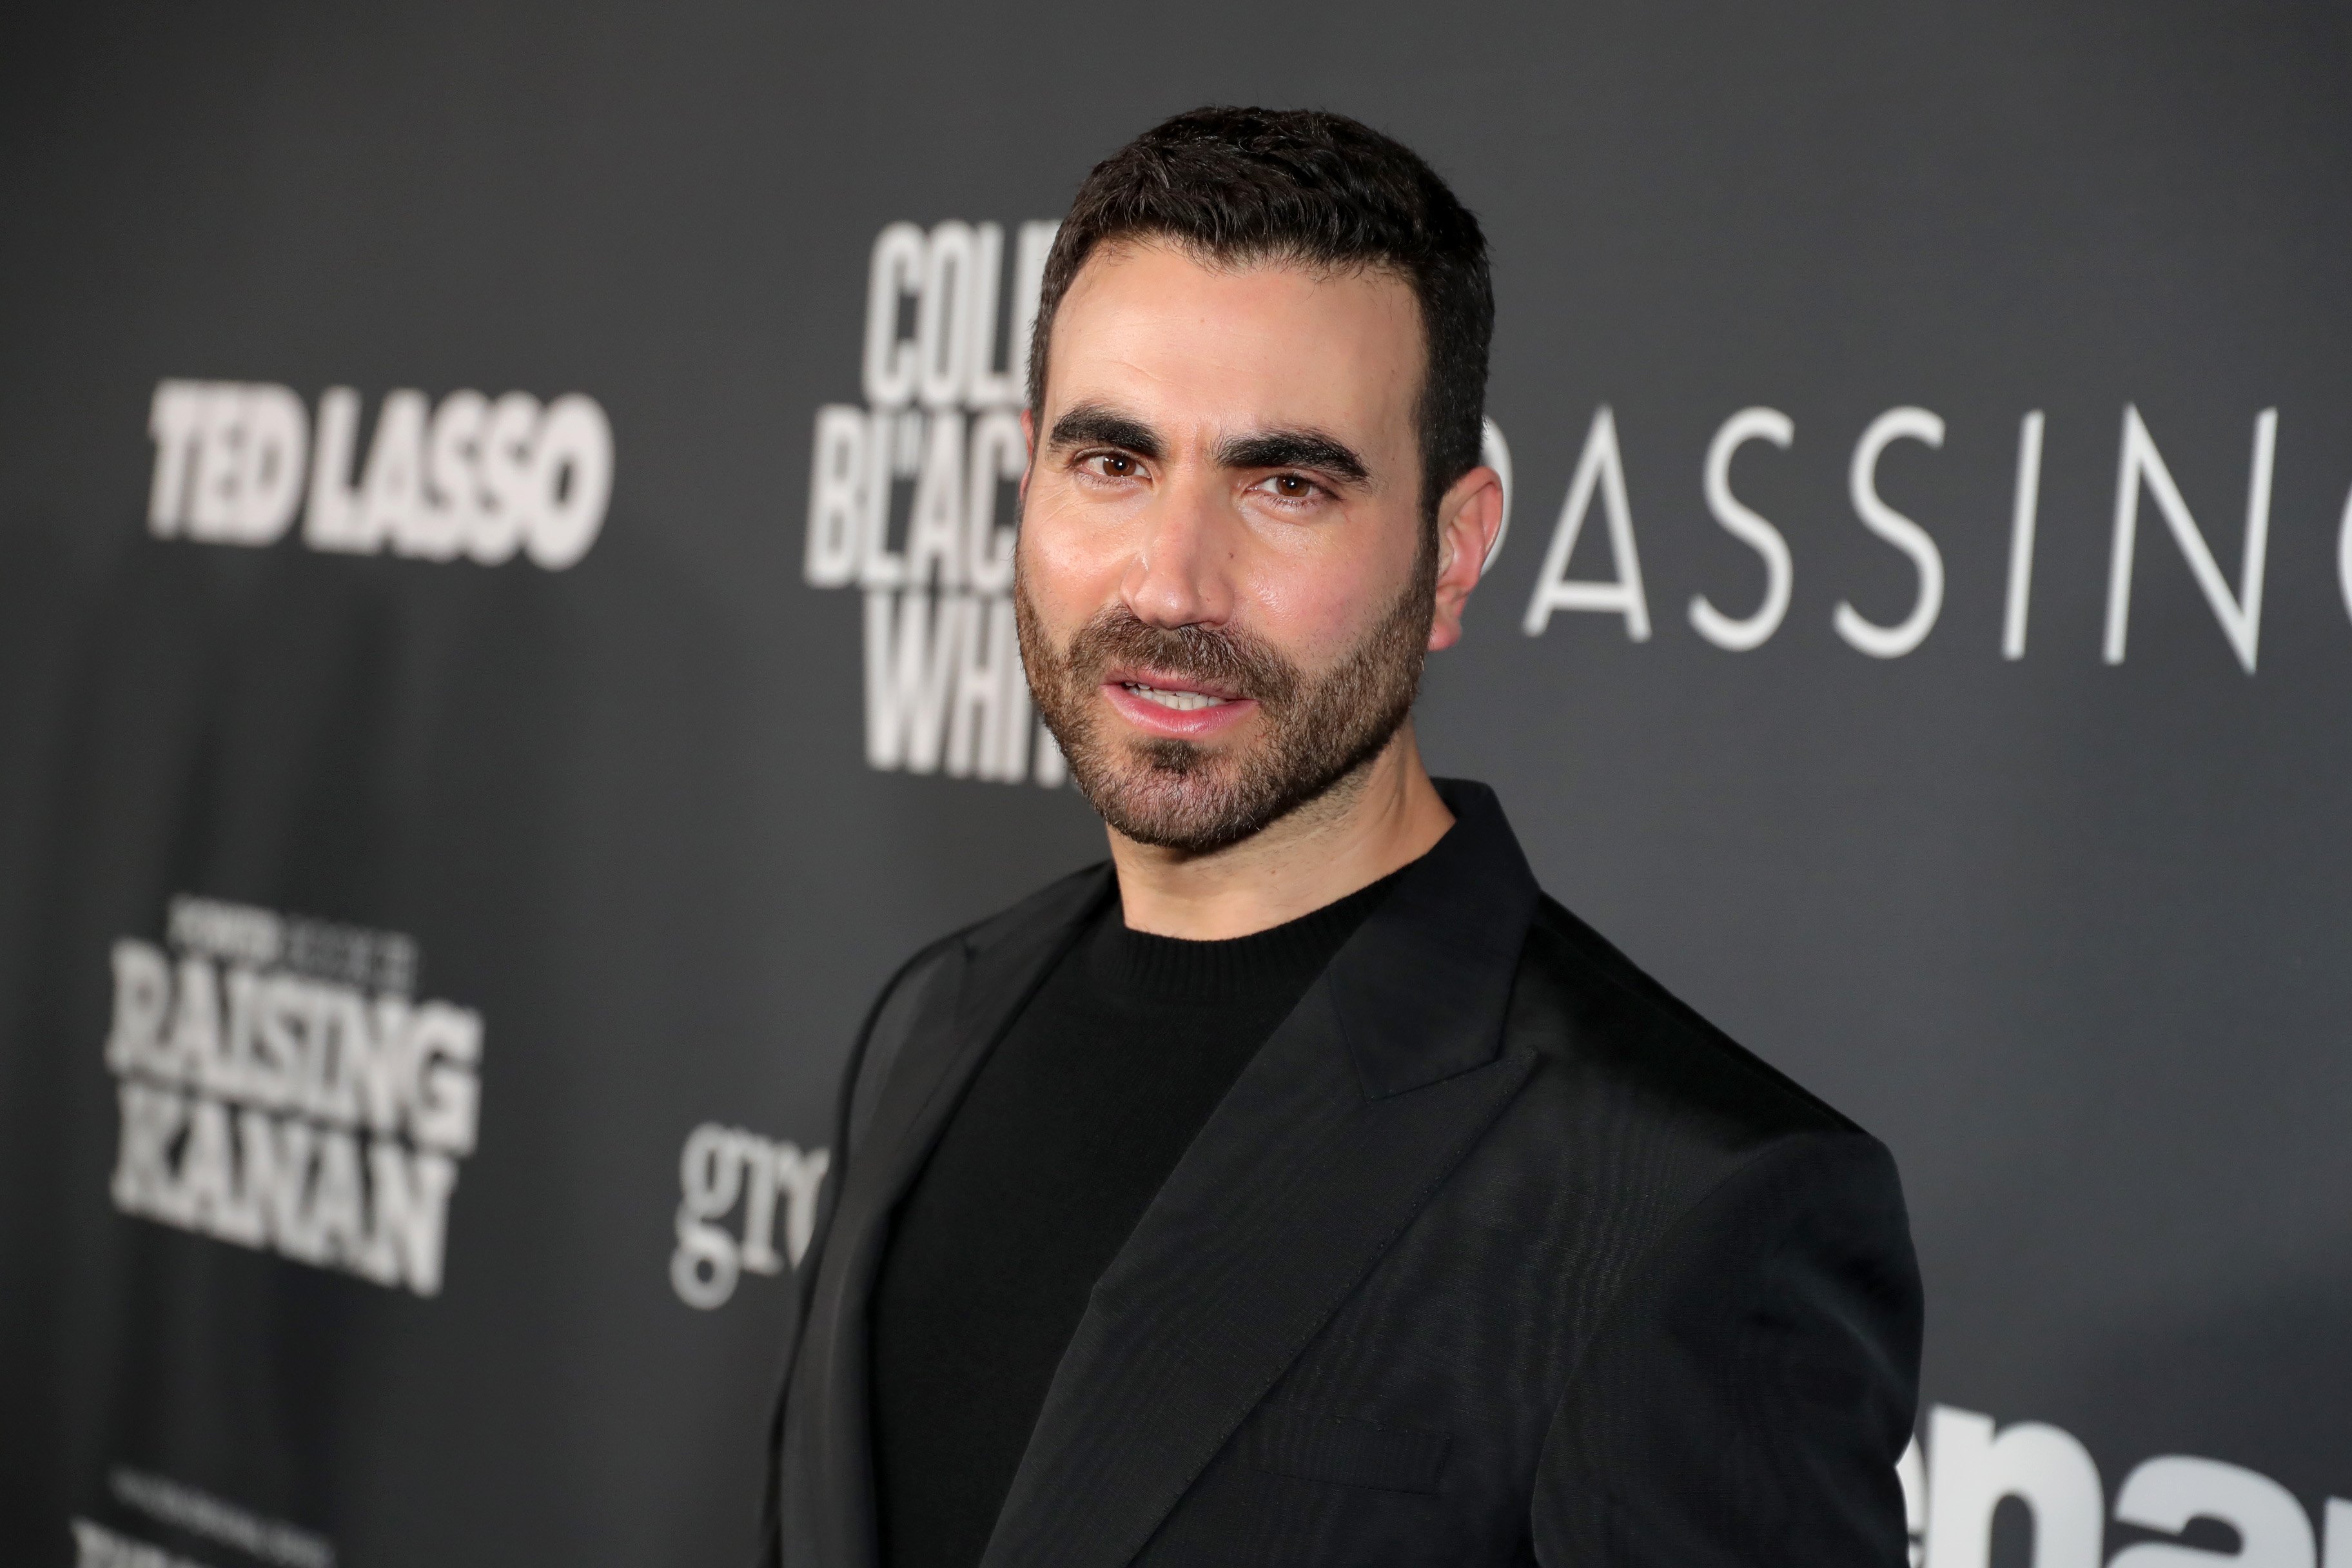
1063 1137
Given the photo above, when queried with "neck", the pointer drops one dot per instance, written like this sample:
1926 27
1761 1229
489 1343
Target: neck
1384 815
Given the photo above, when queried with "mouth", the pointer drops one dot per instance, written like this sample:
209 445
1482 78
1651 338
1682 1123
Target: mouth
1173 697
1174 705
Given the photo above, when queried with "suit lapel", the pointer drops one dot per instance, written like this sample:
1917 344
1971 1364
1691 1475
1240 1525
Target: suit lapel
827 1474
1328 1146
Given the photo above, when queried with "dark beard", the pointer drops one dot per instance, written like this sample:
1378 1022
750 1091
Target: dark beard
1181 795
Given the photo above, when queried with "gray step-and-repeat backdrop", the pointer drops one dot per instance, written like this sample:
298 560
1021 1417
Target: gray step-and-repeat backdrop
504 517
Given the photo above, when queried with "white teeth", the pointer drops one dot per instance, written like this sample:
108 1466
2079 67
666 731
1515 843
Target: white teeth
1181 701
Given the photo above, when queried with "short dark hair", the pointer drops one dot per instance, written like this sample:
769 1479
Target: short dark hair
1308 186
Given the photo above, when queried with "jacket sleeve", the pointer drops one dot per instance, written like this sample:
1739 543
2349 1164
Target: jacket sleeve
893 1017
1745 1401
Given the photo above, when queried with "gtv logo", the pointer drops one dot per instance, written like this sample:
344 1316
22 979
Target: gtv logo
1972 1468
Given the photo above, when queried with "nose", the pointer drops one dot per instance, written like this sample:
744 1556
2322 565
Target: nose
1180 572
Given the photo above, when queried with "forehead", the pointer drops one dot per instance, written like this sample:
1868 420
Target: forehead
1150 328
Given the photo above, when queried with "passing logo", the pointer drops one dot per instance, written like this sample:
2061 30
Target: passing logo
283 1088
469 478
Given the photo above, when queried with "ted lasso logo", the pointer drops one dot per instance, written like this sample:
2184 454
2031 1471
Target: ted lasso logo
282 1088
911 501
470 476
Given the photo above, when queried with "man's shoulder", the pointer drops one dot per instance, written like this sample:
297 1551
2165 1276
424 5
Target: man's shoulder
1632 1050
927 984
1051 907
1059 902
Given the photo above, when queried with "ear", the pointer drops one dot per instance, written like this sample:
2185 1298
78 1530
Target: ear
1029 450
1468 519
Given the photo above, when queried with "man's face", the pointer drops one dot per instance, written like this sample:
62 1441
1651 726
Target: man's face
1225 587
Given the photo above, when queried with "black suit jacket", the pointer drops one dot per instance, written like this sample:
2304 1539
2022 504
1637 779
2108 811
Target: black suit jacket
1494 1253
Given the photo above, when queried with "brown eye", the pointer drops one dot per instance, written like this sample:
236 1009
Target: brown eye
1292 488
1117 465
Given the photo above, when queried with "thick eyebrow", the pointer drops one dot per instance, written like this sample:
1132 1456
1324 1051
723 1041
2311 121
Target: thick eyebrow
1293 450
1093 425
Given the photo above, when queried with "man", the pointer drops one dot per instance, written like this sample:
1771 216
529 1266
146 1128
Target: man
1305 1187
